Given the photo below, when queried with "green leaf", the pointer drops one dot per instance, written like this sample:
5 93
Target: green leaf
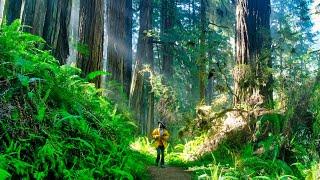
41 111
4 174
83 49
23 79
94 74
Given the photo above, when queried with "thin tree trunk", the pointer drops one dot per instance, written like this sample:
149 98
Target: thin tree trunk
202 58
150 113
91 35
128 59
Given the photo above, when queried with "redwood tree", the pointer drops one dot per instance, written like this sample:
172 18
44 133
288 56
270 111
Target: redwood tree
202 58
12 10
167 24
91 37
120 42
144 56
34 15
56 28
49 19
253 57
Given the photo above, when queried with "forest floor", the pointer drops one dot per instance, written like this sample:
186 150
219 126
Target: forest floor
169 173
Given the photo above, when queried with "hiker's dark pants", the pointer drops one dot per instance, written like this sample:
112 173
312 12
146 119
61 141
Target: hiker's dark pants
160 152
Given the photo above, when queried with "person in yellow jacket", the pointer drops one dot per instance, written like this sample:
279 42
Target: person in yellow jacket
161 136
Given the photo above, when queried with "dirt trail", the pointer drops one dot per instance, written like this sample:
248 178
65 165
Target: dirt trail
169 173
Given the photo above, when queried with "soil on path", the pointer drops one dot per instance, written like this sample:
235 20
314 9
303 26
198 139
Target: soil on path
169 173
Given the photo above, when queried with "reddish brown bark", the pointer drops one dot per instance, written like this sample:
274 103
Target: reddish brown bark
120 42
91 35
253 57
144 56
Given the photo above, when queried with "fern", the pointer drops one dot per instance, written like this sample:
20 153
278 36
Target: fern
59 126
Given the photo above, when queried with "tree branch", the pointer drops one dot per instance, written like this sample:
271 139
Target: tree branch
220 26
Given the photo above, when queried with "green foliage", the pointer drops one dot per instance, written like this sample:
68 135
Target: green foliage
54 124
83 49
230 164
315 108
94 74
263 159
144 146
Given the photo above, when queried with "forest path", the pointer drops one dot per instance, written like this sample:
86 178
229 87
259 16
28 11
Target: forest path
169 173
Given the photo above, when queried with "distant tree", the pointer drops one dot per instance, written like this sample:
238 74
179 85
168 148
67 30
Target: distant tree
202 57
120 42
91 36
253 57
167 17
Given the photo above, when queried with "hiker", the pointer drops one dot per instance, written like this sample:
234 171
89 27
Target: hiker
160 135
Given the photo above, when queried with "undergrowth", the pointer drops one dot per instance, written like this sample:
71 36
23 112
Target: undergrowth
53 123
266 158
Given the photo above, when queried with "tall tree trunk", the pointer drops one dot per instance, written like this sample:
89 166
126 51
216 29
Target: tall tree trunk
91 35
120 42
144 56
128 40
34 15
56 28
253 57
167 24
49 19
12 10
202 58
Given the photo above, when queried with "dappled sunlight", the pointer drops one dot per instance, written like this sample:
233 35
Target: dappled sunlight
144 146
160 90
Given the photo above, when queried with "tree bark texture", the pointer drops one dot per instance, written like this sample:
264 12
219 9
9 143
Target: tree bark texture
253 57
144 56
119 51
202 59
56 26
167 25
150 114
34 15
12 10
49 19
91 35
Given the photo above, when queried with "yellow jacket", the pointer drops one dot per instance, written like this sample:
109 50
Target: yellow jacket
160 140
